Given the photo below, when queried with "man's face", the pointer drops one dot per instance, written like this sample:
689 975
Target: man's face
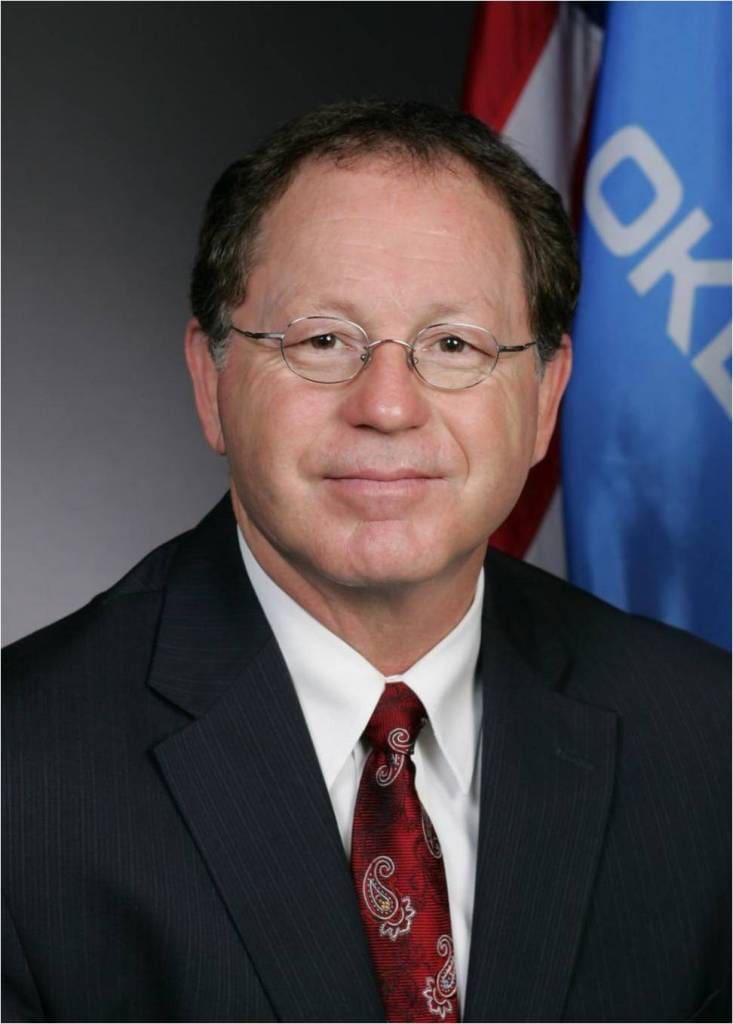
381 481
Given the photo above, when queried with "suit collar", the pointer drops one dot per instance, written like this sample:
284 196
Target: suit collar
211 625
339 690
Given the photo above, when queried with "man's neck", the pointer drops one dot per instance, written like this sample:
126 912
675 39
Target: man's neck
392 626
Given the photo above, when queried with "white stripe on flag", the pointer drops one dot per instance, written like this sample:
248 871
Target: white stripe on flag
547 122
547 550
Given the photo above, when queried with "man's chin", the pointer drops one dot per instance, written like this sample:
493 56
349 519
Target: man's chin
384 557
378 579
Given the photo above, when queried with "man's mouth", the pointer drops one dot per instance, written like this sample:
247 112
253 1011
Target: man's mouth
379 491
382 475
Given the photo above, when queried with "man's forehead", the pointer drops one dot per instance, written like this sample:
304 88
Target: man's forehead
445 198
359 308
395 170
369 226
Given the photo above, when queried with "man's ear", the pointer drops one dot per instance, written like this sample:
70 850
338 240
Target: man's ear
205 380
551 389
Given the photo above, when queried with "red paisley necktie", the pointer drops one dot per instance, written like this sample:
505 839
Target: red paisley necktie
398 871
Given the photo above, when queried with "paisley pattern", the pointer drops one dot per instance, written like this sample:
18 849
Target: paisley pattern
395 912
429 833
441 990
400 746
395 851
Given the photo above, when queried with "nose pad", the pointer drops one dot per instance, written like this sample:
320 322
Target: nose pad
409 355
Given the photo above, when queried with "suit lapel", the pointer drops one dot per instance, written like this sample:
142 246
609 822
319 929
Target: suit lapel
246 780
547 776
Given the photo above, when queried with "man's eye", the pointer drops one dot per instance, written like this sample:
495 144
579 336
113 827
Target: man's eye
450 343
324 342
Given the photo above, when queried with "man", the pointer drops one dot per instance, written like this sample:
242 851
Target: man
323 758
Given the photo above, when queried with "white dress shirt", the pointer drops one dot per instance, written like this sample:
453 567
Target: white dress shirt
338 690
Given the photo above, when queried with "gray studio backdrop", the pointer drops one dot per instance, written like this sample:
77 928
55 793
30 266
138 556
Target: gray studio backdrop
117 120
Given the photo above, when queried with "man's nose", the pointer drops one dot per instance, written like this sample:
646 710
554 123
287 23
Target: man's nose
387 395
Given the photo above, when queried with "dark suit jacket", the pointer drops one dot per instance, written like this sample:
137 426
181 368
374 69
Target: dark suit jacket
171 853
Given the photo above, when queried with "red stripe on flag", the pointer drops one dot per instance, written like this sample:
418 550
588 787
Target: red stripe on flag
577 185
508 40
517 533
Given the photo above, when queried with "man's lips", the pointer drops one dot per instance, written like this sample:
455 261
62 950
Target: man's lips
379 490
382 475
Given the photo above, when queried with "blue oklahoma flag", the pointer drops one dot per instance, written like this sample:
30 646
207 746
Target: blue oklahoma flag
646 425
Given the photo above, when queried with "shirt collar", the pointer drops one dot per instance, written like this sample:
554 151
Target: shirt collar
338 689
445 681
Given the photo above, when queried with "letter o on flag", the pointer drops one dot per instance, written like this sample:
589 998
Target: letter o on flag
631 143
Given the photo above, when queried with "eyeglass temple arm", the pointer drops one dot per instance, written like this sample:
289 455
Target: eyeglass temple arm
258 335
516 348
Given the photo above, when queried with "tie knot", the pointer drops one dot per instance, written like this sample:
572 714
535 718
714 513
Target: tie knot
397 719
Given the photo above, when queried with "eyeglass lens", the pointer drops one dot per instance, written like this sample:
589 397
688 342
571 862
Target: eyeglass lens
327 350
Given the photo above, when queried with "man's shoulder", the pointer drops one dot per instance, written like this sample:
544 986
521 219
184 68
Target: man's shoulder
669 694
101 655
618 656
113 618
